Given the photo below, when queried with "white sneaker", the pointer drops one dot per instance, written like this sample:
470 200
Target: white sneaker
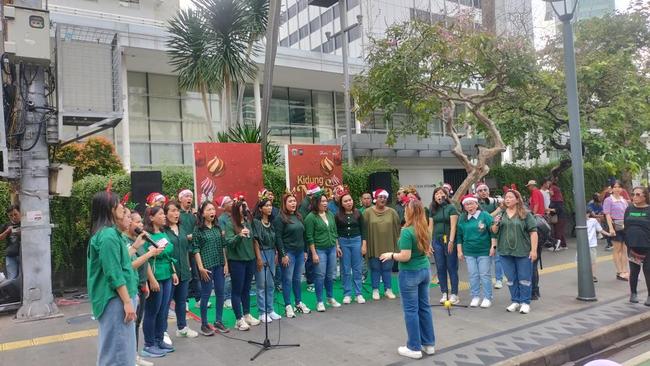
171 314
274 315
302 308
250 320
347 299
333 303
443 298
429 350
475 301
513 307
198 304
139 361
242 325
227 304
486 303
525 309
288 311
167 339
389 294
498 284
186 333
454 299
375 294
404 351
361 299
264 318
320 307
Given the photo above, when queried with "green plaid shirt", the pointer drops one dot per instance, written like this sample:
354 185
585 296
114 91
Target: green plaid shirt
210 244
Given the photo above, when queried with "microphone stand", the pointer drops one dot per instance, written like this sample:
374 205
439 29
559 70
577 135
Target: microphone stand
266 343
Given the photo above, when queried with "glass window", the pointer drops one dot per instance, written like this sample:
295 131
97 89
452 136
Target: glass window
338 41
292 11
163 85
165 130
302 5
166 154
279 113
140 154
328 46
283 17
137 106
193 110
137 82
293 38
138 128
195 131
165 108
314 25
130 3
354 33
317 49
284 42
477 4
336 11
352 4
304 31
326 17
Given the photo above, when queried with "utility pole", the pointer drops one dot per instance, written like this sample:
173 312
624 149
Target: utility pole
272 31
343 15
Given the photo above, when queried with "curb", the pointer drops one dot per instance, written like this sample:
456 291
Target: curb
580 346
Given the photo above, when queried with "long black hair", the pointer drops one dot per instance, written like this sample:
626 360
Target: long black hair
340 214
200 216
166 208
315 202
148 214
237 216
284 211
258 209
435 205
101 211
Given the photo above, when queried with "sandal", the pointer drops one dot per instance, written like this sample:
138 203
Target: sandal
620 278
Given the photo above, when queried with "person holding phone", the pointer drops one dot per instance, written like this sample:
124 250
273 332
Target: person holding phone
11 233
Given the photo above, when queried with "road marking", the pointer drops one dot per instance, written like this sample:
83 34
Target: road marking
64 337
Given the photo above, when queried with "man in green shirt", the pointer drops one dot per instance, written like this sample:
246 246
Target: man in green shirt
187 223
366 202
491 205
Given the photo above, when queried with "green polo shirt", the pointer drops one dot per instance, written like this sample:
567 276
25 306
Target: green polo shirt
223 220
109 267
408 241
162 264
513 237
264 235
442 222
239 248
181 252
290 236
473 233
187 221
209 243
318 233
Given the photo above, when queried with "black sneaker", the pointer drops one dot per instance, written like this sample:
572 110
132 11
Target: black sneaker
595 279
219 327
206 331
634 299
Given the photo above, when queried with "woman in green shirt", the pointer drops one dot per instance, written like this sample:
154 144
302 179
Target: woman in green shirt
349 224
290 235
444 218
474 246
320 230
156 308
414 278
266 251
241 261
112 283
516 233
179 238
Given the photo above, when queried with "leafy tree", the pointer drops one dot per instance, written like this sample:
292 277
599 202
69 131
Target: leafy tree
428 69
247 134
95 156
613 71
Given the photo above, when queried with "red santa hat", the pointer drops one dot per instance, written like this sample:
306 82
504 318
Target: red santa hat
379 192
313 188
222 201
469 198
340 190
238 196
448 187
184 192
154 198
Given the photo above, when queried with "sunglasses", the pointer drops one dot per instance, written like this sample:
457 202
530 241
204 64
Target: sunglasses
482 190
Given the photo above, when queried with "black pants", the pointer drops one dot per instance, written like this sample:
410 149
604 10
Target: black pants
635 269
195 284
535 284
139 312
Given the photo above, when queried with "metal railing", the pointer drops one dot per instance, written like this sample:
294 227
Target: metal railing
106 16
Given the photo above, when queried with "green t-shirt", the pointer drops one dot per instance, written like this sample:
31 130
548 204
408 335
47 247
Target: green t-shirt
239 248
187 221
142 270
473 233
442 222
109 267
265 236
488 205
289 235
408 241
181 252
322 235
223 220
513 237
162 264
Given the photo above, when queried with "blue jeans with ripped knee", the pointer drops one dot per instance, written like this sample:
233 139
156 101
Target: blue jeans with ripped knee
519 271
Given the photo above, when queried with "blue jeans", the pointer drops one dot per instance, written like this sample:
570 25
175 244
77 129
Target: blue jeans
519 271
265 302
446 263
351 266
194 289
498 267
480 274
217 280
13 267
227 289
116 341
324 272
291 277
179 296
309 269
156 309
414 292
241 275
383 270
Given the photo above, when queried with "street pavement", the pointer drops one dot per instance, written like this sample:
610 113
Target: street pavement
367 334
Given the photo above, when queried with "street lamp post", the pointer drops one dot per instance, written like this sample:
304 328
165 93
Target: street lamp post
586 291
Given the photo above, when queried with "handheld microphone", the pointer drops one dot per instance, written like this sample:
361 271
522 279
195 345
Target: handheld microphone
146 237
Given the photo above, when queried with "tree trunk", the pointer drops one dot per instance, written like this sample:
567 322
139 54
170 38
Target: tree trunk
272 31
206 108
563 166
227 101
241 87
626 180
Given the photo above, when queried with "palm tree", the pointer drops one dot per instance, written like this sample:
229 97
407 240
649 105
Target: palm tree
192 59
227 25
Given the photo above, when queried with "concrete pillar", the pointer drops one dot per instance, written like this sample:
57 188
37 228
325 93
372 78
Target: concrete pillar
258 100
126 135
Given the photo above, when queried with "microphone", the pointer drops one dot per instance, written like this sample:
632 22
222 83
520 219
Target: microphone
145 237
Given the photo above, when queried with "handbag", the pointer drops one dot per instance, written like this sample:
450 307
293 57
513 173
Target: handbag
552 219
619 225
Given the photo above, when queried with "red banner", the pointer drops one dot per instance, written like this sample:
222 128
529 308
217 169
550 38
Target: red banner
320 164
221 169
